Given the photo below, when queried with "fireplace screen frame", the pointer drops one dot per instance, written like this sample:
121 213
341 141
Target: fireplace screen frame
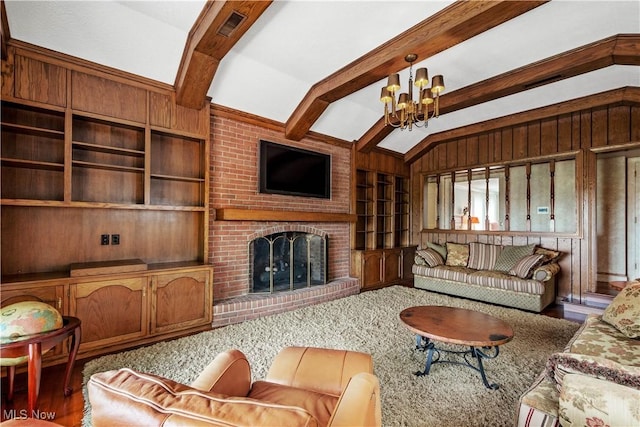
285 261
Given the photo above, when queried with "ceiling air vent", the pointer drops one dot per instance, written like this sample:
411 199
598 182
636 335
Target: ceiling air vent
232 22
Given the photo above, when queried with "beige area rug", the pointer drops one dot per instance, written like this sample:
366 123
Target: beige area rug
451 395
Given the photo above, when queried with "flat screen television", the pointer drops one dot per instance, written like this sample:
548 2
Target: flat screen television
294 171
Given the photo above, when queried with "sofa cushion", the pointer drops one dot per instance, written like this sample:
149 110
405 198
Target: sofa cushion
483 256
598 338
441 249
501 280
510 255
586 401
456 274
430 256
319 405
526 265
126 397
624 311
457 254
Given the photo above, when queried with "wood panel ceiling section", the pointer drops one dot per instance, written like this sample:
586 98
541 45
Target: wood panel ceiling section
623 49
621 96
218 28
454 24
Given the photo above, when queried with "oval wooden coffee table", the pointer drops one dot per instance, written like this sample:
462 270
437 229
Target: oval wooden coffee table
452 325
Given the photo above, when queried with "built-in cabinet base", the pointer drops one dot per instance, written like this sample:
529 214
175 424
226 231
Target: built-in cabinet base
123 310
377 268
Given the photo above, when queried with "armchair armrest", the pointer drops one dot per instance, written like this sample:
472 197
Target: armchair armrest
359 404
229 374
322 370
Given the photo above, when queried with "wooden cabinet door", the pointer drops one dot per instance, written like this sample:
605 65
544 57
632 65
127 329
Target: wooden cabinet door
181 300
371 269
52 295
111 311
392 263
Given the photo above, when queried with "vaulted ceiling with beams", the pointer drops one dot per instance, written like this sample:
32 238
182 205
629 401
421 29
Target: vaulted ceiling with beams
319 65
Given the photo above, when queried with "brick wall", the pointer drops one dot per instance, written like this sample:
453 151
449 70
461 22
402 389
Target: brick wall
234 184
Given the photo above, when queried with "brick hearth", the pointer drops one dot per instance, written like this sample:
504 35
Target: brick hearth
252 306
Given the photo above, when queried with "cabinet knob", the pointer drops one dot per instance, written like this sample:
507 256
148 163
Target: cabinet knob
59 303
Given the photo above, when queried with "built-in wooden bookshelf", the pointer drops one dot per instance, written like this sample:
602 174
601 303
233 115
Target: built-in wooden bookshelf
381 255
100 154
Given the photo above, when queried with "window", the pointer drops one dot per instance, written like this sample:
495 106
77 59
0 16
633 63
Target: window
532 196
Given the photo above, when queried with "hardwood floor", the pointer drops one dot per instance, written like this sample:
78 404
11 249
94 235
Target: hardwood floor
68 411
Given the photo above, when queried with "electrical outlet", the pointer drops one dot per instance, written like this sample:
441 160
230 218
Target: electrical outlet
115 239
104 239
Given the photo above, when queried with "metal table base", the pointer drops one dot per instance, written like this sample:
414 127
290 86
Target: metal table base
425 344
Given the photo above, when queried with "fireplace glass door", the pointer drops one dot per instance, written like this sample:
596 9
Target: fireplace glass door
287 261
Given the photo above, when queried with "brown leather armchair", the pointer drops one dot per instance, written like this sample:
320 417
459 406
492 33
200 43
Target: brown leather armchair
305 386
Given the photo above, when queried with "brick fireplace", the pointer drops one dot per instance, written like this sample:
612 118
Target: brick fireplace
287 260
234 185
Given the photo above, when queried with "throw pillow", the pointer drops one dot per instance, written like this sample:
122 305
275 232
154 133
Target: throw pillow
525 266
624 311
510 255
549 255
431 257
457 254
441 249
483 256
418 260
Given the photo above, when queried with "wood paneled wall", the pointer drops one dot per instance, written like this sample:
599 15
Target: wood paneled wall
583 132
382 161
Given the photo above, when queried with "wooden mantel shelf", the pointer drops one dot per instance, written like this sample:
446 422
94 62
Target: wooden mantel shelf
235 214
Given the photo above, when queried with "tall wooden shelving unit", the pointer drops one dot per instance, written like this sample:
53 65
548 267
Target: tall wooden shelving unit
381 254
87 151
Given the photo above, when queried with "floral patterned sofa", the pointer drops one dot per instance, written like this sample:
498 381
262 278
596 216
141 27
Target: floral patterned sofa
595 381
515 276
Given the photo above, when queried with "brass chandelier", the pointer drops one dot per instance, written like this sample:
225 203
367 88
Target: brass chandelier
405 112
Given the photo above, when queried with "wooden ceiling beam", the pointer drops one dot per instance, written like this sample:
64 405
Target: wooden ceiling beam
454 24
622 95
622 49
591 57
5 36
218 28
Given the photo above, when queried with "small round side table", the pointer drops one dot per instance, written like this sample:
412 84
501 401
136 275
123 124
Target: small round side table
33 347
